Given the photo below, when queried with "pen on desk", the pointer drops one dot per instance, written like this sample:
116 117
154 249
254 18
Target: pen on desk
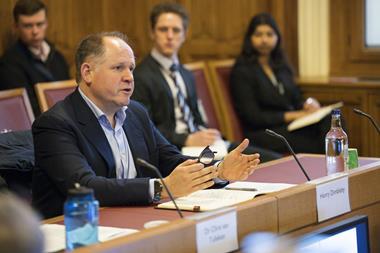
241 189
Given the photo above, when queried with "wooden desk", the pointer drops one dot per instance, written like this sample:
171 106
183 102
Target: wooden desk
290 211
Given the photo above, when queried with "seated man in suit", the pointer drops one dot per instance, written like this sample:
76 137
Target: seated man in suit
32 59
167 89
94 136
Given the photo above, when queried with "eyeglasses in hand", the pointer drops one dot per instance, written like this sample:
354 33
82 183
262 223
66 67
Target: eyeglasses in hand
206 156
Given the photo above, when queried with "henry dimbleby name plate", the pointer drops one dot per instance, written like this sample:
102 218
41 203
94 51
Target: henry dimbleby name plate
218 234
333 198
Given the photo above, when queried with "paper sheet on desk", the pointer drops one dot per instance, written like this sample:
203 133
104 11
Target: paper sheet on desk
219 146
260 187
211 199
55 235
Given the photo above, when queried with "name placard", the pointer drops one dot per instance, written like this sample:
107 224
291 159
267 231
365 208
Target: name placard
218 234
333 198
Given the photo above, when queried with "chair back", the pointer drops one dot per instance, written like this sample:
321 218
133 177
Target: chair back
15 110
220 71
48 94
206 94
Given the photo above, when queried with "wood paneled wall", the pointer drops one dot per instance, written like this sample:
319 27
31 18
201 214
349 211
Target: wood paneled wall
354 94
349 56
216 30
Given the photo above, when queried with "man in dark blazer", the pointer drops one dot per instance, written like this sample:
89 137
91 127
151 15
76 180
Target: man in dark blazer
94 136
156 89
31 59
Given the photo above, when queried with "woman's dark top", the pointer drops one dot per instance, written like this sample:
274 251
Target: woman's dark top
260 105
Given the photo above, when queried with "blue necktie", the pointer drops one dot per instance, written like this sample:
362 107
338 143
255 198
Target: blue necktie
187 116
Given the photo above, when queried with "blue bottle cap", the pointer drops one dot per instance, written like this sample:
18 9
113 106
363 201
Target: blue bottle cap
80 190
335 112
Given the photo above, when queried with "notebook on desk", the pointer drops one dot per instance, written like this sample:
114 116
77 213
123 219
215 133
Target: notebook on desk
234 193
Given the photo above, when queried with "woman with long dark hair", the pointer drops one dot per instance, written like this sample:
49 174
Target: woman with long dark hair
264 92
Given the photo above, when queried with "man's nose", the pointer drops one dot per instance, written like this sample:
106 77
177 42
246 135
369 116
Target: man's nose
128 76
35 29
170 33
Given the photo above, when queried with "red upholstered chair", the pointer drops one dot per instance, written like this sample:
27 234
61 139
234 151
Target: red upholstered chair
206 94
15 110
220 71
50 93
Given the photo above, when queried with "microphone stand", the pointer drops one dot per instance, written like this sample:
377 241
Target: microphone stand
274 134
145 164
357 111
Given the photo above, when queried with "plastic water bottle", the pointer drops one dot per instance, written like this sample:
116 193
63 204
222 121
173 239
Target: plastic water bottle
81 212
336 144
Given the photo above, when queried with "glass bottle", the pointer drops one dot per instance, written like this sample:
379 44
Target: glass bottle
81 212
336 145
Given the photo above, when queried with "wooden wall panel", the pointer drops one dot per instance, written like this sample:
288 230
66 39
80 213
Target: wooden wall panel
355 94
348 56
216 30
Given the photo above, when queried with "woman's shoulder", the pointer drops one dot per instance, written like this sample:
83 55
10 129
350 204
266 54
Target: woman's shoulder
243 64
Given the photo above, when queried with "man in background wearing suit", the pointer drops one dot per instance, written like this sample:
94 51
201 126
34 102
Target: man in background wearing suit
167 89
94 136
32 59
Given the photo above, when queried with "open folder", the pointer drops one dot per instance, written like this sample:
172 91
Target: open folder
314 117
211 199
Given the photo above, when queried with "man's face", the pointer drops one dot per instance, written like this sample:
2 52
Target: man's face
32 29
168 34
109 79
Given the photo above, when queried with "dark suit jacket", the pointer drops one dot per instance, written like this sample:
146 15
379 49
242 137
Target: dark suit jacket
70 146
153 91
260 106
257 102
18 68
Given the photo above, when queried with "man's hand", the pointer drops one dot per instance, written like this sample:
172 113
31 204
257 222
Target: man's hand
202 138
188 177
236 165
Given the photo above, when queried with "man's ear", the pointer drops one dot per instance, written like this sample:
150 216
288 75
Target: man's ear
86 72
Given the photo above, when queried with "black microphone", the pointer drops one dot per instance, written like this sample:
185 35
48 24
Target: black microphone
357 111
145 164
279 136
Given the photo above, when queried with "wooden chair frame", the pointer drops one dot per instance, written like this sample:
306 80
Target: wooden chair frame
201 65
19 92
40 89
228 128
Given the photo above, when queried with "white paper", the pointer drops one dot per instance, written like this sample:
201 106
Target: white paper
219 147
234 193
217 235
313 117
55 235
332 198
211 199
260 187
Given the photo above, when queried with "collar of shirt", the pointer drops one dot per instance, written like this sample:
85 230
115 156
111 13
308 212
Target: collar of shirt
100 115
164 61
41 53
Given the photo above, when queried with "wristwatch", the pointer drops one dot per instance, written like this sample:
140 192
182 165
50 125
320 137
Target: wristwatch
157 191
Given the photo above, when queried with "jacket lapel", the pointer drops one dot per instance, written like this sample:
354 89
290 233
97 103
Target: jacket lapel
136 141
91 128
155 68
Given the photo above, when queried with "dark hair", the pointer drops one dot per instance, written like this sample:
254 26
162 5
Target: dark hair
169 8
249 53
27 7
92 46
